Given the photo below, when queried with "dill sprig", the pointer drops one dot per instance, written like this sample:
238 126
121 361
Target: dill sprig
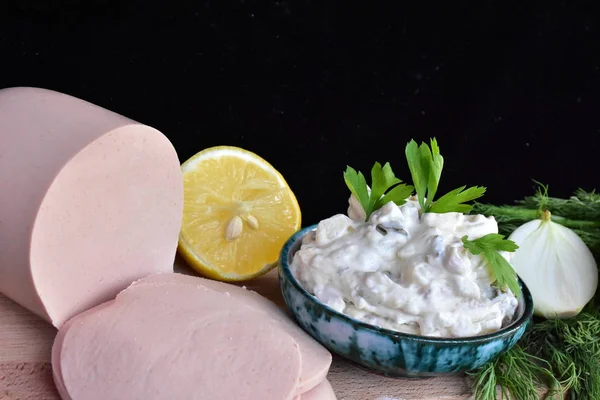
572 348
580 212
581 206
515 375
560 354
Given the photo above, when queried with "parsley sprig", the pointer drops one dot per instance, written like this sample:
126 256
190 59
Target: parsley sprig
426 166
499 269
385 187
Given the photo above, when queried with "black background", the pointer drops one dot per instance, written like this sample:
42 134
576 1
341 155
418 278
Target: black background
511 90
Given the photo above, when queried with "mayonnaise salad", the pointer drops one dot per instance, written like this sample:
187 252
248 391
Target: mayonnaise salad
404 271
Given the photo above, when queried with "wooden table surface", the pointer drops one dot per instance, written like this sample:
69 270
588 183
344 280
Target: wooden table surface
26 374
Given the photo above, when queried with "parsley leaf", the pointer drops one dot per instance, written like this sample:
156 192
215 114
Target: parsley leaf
385 187
358 186
500 269
382 178
419 169
435 172
453 200
398 195
425 165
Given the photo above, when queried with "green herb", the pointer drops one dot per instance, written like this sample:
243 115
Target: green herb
560 354
514 375
511 217
453 201
580 212
581 206
426 166
570 347
499 269
385 187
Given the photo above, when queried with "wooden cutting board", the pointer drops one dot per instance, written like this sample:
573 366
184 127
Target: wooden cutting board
26 373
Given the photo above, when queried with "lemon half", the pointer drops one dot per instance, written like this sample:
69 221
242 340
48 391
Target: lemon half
238 212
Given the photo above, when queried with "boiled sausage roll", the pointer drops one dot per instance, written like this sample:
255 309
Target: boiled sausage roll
90 201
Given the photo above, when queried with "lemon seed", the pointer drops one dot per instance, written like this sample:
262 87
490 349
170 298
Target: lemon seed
252 221
234 228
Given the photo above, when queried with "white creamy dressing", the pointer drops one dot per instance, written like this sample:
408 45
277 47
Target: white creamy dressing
405 272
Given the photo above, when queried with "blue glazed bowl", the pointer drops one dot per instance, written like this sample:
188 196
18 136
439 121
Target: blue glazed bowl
388 352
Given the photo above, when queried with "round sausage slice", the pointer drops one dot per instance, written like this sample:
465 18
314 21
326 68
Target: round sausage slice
322 391
316 360
174 342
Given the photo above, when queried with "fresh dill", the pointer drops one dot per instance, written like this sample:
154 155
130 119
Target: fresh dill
580 212
514 375
572 348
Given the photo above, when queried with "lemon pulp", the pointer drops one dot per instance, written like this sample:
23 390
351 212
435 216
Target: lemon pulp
238 213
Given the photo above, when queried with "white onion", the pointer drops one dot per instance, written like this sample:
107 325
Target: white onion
557 267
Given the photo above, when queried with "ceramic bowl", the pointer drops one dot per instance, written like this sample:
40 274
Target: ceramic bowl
388 352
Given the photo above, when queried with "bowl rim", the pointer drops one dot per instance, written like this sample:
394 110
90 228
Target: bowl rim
508 330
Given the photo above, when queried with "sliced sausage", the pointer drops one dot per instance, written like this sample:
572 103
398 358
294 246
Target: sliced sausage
174 342
316 360
323 391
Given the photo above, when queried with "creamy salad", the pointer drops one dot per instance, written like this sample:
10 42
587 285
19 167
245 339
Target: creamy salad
404 271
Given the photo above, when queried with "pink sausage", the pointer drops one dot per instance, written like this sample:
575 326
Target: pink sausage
89 202
157 342
316 360
323 391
